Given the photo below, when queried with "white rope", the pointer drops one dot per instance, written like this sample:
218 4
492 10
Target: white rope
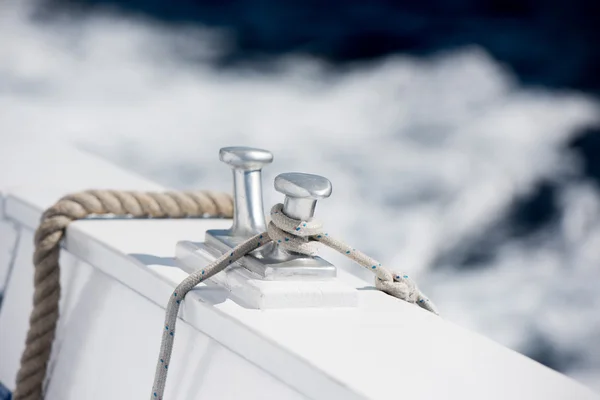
294 235
301 237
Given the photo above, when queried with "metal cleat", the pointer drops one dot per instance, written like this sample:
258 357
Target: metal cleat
269 277
248 211
302 192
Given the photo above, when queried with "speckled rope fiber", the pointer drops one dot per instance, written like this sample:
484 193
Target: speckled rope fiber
168 338
294 235
45 313
301 237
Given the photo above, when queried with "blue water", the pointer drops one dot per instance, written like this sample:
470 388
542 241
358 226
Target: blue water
549 43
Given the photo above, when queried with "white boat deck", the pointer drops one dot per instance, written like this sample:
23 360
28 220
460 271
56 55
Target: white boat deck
383 349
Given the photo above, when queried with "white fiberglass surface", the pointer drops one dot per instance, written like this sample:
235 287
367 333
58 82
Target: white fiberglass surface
427 157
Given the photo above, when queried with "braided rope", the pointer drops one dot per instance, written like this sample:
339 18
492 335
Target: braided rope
291 234
302 236
45 313
172 310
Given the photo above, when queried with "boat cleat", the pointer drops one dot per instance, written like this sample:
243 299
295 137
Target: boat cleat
271 276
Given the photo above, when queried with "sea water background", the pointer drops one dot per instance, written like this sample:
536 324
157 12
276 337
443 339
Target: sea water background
432 159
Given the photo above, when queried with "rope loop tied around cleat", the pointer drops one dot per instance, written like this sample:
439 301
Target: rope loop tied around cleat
303 237
291 234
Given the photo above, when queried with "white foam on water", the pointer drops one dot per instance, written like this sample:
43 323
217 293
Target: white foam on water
425 154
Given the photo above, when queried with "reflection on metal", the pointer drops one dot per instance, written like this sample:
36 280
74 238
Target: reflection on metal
301 194
246 162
